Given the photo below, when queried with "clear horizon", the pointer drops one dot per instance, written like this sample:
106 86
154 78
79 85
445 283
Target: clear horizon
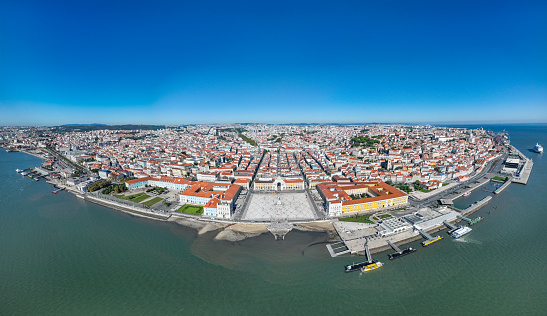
212 62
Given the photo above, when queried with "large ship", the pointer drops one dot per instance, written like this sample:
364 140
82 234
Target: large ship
538 148
460 231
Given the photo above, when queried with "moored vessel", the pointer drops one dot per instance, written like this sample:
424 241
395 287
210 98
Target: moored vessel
366 266
372 266
356 266
460 231
467 193
476 220
400 254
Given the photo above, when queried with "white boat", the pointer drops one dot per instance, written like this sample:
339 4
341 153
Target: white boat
462 230
538 148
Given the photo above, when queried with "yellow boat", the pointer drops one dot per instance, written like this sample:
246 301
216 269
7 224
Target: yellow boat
371 266
429 242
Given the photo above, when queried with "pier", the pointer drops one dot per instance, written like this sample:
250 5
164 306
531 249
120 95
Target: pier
398 252
524 173
477 205
338 248
392 245
476 220
505 185
464 218
33 173
367 252
279 228
428 237
450 226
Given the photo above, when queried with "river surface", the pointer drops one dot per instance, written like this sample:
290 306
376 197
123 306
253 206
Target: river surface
60 255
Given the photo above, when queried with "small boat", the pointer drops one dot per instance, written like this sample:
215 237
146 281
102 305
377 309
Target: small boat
405 252
371 266
476 220
365 266
467 193
18 170
356 266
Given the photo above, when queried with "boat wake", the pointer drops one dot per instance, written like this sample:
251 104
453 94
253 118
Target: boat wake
468 240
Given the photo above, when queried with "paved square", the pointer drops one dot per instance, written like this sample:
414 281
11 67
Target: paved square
268 206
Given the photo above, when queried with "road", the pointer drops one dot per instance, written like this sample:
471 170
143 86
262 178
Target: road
493 166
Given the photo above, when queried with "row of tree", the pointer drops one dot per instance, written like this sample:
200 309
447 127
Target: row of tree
116 188
98 185
363 141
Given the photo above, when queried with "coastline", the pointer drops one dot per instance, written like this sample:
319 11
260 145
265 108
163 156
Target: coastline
238 231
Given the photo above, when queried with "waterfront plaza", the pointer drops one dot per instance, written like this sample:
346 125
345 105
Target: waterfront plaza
269 206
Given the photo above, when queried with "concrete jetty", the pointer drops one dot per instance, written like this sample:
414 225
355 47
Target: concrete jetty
503 187
464 218
524 173
477 205
449 225
338 248
279 228
392 245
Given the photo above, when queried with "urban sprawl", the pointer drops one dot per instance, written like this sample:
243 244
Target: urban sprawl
368 181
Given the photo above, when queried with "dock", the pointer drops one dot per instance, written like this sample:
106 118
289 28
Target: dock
505 185
338 248
477 205
450 226
476 220
33 173
429 239
398 252
446 201
464 218
524 173
279 228
392 245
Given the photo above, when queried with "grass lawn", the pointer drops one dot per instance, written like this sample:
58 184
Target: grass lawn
499 178
129 197
384 216
140 198
425 190
357 219
191 209
445 184
152 201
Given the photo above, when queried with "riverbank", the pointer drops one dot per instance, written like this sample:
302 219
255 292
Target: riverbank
238 231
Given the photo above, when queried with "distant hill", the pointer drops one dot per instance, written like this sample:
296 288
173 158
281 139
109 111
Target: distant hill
94 124
97 126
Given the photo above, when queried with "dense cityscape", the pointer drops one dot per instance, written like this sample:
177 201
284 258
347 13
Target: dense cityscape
276 177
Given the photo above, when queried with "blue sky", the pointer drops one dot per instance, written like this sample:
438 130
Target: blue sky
180 62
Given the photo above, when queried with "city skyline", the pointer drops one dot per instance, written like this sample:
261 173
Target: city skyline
283 62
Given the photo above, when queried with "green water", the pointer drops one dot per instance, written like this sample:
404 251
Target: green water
63 256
